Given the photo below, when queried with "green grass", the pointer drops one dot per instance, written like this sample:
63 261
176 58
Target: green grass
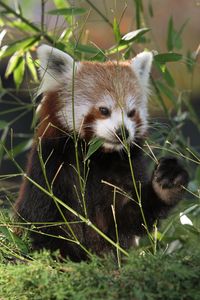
143 276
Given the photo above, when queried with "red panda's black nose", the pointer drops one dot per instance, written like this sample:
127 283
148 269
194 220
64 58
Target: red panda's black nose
122 133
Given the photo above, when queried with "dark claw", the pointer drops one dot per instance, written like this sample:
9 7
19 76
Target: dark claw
169 173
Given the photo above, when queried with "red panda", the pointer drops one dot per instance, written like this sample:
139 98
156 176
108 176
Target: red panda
82 101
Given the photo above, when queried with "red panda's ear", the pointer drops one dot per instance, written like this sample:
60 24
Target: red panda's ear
55 68
141 65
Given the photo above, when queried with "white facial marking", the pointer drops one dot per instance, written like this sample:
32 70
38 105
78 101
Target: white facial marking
144 119
55 68
107 128
81 108
106 101
130 103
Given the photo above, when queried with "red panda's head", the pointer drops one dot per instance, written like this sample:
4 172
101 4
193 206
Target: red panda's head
106 100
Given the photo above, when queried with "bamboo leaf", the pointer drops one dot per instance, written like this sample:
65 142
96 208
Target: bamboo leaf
170 34
190 61
167 57
116 30
21 26
150 9
178 40
168 78
3 124
20 148
64 4
86 49
31 66
116 49
94 145
138 12
18 46
71 11
2 35
174 40
18 73
96 53
13 238
165 73
133 35
12 64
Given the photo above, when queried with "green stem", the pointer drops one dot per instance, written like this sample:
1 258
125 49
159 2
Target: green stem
31 25
70 209
76 142
116 227
138 195
50 189
86 221
99 13
42 15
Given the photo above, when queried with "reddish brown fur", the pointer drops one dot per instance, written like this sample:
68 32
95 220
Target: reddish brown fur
49 125
137 119
87 131
112 78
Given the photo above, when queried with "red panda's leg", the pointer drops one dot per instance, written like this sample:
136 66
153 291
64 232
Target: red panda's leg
158 197
168 180
165 189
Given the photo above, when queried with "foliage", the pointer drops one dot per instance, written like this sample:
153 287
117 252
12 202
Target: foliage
143 276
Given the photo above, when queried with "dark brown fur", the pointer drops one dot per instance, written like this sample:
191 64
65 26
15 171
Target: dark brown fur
35 206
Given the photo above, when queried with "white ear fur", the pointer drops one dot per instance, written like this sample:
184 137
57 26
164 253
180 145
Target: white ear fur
55 68
141 65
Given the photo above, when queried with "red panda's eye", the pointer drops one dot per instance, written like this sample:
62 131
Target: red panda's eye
104 111
131 113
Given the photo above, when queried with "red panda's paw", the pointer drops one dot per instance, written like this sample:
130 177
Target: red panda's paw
168 180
